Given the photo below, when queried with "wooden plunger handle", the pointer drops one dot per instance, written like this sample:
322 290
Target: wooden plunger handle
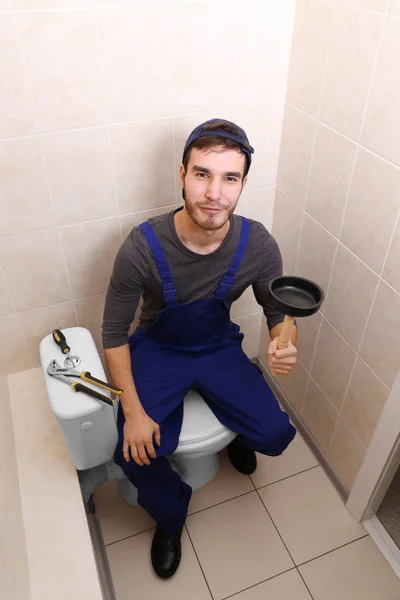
284 337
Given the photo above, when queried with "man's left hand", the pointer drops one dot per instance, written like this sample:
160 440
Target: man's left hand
281 362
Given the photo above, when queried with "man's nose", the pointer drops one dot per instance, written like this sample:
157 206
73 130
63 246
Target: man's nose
214 189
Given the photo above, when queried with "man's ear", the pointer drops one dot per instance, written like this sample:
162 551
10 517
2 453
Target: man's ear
244 183
182 174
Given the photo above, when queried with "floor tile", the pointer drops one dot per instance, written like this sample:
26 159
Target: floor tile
133 575
288 586
227 484
310 515
237 545
118 519
355 572
298 457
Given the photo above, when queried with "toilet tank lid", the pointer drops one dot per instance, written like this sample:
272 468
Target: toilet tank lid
65 403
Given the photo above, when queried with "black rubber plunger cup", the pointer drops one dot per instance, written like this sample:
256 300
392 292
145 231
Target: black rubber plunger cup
294 297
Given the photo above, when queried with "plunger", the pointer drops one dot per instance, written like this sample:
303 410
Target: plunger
294 297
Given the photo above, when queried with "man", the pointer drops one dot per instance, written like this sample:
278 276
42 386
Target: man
189 266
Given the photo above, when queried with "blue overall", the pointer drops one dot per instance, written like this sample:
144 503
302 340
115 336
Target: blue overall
195 346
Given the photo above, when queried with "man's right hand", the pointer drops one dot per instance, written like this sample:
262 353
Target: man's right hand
138 436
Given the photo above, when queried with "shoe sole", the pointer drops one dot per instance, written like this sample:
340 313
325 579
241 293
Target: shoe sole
172 571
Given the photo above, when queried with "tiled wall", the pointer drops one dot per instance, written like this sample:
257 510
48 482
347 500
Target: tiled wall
14 582
337 217
96 100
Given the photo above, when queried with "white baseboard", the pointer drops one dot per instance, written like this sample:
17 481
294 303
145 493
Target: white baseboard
384 542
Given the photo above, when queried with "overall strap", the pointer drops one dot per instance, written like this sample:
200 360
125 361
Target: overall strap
159 256
228 279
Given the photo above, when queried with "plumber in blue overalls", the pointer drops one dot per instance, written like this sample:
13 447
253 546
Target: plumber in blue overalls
188 266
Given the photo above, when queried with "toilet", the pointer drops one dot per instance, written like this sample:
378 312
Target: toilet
90 431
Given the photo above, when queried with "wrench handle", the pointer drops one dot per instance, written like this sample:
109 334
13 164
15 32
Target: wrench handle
79 387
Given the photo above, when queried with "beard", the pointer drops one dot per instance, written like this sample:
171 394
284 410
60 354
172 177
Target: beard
208 222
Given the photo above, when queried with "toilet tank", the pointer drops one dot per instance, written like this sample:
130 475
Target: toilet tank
88 425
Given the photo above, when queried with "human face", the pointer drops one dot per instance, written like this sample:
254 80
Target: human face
212 185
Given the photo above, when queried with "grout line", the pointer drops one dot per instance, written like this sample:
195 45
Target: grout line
100 51
196 512
198 560
341 134
138 120
355 7
262 487
314 143
283 541
333 550
51 198
128 536
259 583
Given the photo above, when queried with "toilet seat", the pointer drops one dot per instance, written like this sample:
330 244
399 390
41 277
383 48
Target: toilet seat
200 426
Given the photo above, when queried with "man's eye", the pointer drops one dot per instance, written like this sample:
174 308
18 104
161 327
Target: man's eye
202 175
232 179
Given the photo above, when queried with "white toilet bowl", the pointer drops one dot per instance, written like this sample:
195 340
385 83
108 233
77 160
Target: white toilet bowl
89 426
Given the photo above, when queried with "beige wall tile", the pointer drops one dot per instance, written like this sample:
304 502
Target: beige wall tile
382 121
13 353
14 583
37 4
136 89
331 171
264 32
54 44
128 222
355 38
80 174
286 228
250 327
90 315
309 48
346 454
5 4
15 105
317 250
258 205
6 307
263 125
364 402
394 7
319 415
245 305
38 323
90 250
295 154
24 199
351 292
265 341
391 271
144 164
34 269
333 363
307 337
294 386
372 209
211 74
380 348
379 5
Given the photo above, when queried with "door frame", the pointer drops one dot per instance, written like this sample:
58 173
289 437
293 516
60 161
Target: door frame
380 463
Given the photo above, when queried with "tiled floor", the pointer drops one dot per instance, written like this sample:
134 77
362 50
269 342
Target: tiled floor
282 533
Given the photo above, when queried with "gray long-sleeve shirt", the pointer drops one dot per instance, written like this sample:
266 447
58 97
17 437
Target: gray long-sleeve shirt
196 276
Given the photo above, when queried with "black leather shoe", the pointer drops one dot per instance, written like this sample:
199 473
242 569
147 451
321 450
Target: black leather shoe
243 459
166 552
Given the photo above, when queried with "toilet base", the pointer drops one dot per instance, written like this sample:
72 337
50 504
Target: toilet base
194 471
